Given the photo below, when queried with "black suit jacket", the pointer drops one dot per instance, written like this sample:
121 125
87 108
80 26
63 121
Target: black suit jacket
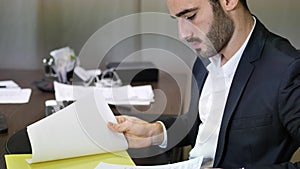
261 122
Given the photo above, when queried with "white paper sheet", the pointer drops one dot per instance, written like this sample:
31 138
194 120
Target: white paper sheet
11 93
79 129
189 164
124 95
70 92
9 84
128 95
14 96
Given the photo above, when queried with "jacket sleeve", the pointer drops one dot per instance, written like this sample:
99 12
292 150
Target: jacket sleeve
289 110
289 105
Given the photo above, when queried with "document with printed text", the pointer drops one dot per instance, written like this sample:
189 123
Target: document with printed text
193 163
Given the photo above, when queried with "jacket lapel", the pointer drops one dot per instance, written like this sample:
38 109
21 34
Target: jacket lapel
245 68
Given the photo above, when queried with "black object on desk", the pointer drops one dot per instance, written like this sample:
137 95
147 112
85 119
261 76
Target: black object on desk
3 124
45 85
135 71
18 143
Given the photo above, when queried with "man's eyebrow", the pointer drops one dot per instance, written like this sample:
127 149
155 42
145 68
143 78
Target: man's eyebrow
173 17
186 11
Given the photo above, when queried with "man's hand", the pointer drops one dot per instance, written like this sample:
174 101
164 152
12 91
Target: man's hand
138 133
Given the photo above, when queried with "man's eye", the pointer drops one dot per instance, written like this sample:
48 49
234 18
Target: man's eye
191 17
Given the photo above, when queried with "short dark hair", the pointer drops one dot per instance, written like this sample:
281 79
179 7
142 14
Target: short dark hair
244 3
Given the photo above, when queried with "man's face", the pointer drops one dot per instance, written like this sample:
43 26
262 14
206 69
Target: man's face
203 24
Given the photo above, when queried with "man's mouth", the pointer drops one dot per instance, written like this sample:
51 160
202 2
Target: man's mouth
195 42
195 45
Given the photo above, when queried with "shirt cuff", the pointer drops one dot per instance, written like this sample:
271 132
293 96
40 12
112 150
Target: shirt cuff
164 144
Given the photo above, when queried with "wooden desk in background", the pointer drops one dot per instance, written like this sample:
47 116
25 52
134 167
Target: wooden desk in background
19 116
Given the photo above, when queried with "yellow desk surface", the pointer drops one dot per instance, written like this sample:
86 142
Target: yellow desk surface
18 161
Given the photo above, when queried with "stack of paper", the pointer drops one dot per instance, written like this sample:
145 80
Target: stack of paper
124 95
80 129
10 92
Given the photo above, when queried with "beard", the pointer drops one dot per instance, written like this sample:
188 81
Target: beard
219 34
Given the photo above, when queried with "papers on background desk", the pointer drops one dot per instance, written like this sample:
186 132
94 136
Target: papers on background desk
79 129
193 163
11 93
124 95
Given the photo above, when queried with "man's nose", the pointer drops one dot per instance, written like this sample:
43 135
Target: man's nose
184 29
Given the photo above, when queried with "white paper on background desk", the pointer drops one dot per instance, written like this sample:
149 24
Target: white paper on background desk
12 93
9 84
70 92
11 96
124 95
189 164
128 95
79 129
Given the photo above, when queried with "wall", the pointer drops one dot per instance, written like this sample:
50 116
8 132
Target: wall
31 28
18 33
281 17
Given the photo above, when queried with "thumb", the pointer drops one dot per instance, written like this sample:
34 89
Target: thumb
119 128
112 126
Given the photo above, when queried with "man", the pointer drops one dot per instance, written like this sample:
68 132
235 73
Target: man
245 105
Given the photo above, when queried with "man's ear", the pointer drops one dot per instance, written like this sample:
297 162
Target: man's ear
229 5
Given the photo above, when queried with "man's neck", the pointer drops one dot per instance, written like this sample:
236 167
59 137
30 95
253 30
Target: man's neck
243 27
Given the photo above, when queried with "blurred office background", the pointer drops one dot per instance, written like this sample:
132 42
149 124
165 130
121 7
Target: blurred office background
30 29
